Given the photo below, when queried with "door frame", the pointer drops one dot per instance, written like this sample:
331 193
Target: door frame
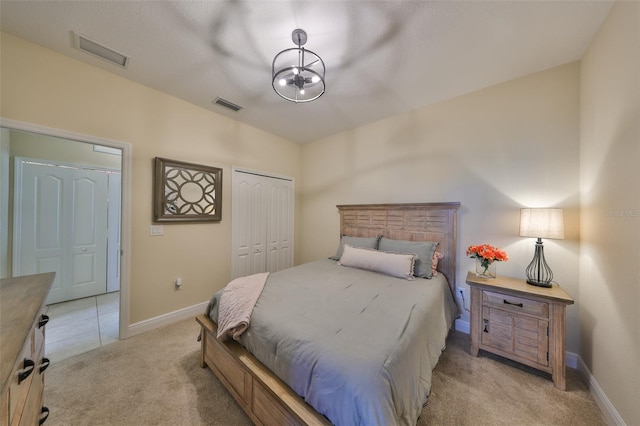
125 224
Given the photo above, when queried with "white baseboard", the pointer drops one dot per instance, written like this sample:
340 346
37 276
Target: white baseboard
608 410
166 319
571 360
463 326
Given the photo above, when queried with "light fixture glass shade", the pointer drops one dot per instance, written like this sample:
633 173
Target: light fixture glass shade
297 74
542 223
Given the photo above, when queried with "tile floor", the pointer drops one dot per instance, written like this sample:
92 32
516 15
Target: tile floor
81 325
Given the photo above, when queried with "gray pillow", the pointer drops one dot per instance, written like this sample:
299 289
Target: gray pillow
360 242
423 250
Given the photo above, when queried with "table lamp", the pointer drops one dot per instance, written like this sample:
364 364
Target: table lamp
541 223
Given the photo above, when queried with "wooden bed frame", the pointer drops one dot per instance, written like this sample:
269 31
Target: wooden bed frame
265 398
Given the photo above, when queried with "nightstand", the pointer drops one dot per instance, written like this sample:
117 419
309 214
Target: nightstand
521 322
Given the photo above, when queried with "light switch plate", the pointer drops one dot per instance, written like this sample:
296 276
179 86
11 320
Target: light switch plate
156 230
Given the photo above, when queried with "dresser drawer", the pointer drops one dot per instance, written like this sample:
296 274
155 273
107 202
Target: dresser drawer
20 382
515 304
37 336
33 403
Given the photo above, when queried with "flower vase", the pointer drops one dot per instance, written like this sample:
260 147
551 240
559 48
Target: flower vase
485 269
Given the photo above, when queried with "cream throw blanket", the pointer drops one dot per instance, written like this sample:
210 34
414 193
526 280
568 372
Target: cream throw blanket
236 304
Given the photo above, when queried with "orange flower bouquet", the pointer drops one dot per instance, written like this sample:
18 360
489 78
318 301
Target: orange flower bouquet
485 255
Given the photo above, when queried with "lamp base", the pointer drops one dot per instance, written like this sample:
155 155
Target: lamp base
540 283
538 272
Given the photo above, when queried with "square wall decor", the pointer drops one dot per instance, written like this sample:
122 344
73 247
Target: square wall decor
186 192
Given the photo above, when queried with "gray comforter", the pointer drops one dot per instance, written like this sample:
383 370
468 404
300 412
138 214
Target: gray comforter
358 346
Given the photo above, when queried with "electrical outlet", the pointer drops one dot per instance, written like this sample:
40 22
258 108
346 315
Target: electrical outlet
463 296
463 293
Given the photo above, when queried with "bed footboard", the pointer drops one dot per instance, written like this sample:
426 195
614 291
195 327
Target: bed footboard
265 398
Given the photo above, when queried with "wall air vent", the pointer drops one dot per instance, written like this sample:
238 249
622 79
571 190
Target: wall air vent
94 48
225 103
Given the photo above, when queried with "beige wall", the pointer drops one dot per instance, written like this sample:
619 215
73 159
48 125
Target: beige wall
610 196
566 137
33 145
42 87
496 150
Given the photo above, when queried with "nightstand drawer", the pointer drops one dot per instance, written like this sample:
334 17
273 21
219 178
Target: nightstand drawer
515 304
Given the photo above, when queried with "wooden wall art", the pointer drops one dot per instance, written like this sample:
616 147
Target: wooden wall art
185 192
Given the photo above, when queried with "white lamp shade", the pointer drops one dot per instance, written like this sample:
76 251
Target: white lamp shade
542 223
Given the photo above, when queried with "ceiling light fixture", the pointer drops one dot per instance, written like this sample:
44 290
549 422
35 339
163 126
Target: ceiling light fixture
297 73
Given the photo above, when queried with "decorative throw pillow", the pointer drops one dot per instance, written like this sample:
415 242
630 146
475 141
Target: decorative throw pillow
393 264
434 263
362 242
423 250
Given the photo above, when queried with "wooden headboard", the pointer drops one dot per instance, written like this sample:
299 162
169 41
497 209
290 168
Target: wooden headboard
412 222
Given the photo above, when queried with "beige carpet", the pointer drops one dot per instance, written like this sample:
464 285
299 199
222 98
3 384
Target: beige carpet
155 379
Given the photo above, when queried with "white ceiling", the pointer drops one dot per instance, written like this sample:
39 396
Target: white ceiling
382 57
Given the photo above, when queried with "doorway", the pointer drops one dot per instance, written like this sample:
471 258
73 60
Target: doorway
49 147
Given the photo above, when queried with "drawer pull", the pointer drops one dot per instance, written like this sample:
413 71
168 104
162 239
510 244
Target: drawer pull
44 364
44 415
27 369
506 302
44 319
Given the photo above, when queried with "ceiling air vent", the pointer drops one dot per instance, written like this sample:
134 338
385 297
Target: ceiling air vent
92 47
225 103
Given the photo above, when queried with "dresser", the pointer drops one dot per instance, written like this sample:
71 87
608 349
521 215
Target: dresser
521 322
22 364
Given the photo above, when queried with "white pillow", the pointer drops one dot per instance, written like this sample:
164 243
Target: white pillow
394 264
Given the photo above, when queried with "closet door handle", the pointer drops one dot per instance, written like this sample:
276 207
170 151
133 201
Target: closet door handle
44 415
27 368
44 364
44 319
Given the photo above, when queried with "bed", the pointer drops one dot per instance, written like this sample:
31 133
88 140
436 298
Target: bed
363 378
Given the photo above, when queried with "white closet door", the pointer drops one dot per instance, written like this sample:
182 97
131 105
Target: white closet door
62 228
248 216
279 224
262 223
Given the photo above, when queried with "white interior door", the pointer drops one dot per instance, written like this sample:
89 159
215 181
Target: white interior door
61 226
262 223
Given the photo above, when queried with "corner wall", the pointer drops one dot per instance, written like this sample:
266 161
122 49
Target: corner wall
610 209
495 151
